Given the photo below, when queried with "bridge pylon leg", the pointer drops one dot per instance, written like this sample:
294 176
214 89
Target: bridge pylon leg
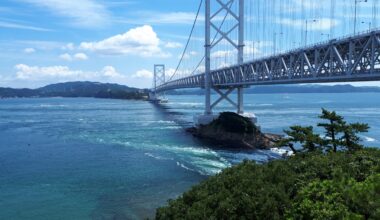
237 44
240 98
158 80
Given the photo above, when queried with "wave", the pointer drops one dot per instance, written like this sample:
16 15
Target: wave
190 103
51 106
184 167
164 122
217 163
259 105
170 128
281 151
369 139
158 157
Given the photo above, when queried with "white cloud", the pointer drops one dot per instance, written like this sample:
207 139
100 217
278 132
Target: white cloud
173 45
141 41
146 74
173 18
221 54
66 57
29 50
83 13
69 46
5 24
193 53
156 17
37 76
188 55
110 71
35 72
80 56
50 74
77 56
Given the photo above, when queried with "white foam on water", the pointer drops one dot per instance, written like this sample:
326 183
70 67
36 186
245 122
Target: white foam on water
160 122
205 171
184 167
165 122
189 103
51 106
369 139
170 128
281 151
216 163
194 150
259 105
212 171
158 157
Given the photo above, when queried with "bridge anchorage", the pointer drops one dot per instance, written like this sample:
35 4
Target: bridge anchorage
348 59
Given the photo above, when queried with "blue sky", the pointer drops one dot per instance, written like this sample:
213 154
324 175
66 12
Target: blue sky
118 41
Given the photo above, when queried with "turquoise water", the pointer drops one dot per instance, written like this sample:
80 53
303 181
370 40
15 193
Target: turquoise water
114 159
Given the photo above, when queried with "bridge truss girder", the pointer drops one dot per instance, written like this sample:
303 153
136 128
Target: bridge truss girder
349 59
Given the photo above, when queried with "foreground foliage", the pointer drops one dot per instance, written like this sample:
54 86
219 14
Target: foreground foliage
339 135
341 185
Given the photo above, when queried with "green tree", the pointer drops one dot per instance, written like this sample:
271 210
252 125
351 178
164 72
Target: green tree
303 135
332 128
350 139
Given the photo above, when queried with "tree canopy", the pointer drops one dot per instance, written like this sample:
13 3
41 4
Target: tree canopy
339 134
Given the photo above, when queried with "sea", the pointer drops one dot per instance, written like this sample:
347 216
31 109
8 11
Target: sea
85 158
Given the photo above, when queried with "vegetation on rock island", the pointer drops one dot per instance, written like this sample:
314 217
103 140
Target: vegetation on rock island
330 177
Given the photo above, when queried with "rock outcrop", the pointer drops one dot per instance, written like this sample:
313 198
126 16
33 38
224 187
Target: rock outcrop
234 131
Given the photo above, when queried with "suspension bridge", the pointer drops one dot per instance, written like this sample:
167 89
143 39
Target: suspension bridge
234 44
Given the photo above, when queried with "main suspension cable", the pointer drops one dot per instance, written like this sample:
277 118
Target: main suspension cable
188 40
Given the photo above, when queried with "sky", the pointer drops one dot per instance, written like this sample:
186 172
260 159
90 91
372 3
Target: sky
116 41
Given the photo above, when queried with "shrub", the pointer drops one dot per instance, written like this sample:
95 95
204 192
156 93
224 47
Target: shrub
308 185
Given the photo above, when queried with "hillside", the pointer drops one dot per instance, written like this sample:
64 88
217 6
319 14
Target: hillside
339 185
77 89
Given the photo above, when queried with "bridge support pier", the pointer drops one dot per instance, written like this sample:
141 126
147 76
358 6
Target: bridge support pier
239 46
224 93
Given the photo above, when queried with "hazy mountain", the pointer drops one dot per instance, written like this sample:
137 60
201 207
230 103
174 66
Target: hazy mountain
78 89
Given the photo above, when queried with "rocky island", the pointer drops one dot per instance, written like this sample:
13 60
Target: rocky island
235 131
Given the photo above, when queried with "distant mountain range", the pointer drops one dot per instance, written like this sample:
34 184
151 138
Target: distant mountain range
271 89
77 89
107 90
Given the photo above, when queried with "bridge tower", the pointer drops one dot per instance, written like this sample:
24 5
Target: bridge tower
237 44
158 80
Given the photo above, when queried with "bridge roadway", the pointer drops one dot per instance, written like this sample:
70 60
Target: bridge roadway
349 59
